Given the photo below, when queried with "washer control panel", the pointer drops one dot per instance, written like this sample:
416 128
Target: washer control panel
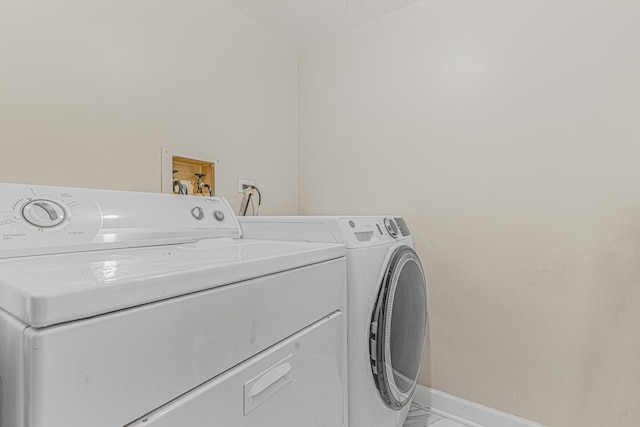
42 219
363 231
32 216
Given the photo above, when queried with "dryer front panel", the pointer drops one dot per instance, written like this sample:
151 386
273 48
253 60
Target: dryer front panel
398 328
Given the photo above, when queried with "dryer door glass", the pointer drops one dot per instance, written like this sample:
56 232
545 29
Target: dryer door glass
398 328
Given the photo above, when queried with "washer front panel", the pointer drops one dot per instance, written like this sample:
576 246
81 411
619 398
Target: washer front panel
109 370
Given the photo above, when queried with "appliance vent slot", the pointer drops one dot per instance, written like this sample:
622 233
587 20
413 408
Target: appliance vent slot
402 225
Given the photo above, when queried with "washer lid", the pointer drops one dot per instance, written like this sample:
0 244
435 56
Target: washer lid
46 290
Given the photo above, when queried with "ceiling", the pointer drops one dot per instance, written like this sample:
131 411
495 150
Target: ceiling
300 23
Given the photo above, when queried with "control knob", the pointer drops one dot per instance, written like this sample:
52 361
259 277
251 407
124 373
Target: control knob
43 213
197 213
391 227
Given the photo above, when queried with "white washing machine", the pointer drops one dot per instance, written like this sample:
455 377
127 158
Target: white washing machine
386 312
134 309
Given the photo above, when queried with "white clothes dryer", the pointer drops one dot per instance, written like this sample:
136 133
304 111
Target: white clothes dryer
386 309
138 309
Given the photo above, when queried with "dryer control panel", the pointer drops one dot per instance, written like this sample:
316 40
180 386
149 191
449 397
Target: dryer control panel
41 219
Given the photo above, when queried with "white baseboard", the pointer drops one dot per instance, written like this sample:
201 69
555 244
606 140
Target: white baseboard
465 412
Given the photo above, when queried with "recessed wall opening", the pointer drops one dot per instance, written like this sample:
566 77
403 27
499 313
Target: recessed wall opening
188 172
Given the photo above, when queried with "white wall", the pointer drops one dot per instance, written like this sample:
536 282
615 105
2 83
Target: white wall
508 134
90 90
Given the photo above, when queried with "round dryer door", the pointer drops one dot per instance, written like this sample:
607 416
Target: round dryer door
398 328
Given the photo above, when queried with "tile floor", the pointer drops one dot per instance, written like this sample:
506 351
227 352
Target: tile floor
421 416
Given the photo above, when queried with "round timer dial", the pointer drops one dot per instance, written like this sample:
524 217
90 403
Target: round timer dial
43 213
391 227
